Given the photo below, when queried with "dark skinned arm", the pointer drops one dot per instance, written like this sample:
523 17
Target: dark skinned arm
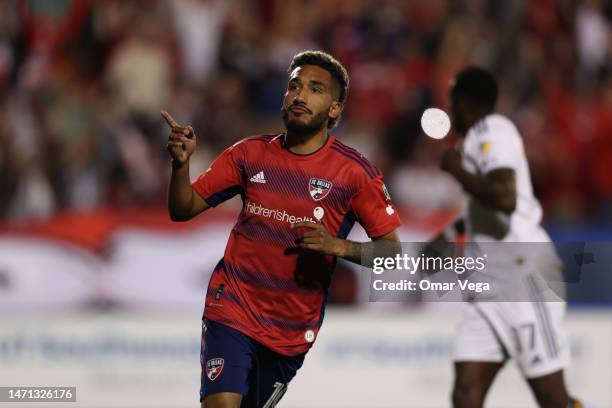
496 189
183 202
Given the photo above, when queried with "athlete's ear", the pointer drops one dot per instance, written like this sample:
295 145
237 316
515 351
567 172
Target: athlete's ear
335 110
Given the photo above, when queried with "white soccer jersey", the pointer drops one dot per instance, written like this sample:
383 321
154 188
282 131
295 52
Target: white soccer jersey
492 143
529 331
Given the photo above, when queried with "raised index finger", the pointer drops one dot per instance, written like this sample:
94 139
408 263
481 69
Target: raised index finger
169 119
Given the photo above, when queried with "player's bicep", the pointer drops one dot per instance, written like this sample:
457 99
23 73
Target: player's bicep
502 183
503 180
198 204
387 245
391 237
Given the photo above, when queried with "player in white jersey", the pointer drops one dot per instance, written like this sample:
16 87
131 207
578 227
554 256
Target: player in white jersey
493 170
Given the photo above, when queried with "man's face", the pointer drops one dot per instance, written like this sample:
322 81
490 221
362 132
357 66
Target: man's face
311 99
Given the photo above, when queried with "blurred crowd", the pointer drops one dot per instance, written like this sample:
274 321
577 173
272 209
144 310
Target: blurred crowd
82 83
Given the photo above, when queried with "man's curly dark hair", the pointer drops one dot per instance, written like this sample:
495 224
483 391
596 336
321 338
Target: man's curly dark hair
331 65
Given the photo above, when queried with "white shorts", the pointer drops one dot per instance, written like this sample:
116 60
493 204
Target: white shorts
530 332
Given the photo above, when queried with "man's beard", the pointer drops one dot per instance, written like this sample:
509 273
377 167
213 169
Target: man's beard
310 127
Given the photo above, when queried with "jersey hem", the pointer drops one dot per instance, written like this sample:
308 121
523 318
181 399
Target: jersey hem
252 336
384 232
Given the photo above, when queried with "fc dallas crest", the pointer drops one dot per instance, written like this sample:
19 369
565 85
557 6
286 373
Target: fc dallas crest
214 366
319 188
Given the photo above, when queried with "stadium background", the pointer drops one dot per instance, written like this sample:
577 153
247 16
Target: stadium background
99 289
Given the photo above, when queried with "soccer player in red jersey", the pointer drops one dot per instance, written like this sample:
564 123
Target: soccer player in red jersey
302 191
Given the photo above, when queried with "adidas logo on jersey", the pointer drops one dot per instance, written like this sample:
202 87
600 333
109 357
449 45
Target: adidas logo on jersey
259 178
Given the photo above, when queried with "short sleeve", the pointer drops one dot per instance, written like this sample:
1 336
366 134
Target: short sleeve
374 210
222 180
495 151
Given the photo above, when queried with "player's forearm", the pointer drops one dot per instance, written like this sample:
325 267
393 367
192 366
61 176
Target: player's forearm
180 193
363 253
493 195
350 250
318 239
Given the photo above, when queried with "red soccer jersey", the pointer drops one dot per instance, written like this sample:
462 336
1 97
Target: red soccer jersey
266 286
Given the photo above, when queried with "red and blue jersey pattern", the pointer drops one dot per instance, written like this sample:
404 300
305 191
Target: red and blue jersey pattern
265 286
